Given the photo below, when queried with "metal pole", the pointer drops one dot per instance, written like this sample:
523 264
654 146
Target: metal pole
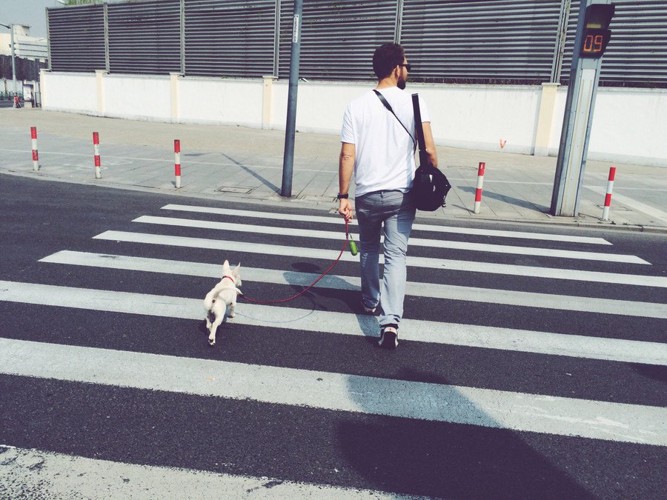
290 127
577 121
13 59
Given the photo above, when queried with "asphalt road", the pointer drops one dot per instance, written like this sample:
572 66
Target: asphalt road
481 456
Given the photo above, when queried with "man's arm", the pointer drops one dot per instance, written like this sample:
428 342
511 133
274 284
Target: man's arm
345 170
430 144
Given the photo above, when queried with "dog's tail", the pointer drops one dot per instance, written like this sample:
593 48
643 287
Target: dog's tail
210 296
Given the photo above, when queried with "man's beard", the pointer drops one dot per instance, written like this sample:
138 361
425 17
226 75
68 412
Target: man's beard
401 84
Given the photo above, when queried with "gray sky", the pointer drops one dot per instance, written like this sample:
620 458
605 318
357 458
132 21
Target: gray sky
30 12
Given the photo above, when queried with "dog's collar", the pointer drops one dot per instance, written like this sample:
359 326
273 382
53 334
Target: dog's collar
231 278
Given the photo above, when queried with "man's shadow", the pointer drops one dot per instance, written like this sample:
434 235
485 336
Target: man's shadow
439 458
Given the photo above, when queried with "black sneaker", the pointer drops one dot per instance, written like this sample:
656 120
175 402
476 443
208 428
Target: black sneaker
388 336
368 310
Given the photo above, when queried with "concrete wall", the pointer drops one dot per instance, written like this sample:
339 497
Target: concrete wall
629 125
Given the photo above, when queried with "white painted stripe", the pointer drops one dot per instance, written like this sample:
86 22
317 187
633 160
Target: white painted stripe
191 161
338 392
432 263
631 202
305 320
433 290
416 226
452 245
46 474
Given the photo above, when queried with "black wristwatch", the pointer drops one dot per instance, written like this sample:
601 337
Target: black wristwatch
343 196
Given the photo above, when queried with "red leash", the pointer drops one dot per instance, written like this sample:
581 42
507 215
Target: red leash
327 271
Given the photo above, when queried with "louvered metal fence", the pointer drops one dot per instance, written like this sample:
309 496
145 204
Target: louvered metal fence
448 41
26 69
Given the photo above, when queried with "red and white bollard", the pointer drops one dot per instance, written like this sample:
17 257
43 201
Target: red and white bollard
98 161
177 162
607 198
35 152
480 184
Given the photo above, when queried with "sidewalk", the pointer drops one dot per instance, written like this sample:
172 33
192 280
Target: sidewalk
235 163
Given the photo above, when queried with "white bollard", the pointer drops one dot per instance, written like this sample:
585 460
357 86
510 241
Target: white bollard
480 184
98 161
35 152
177 162
607 198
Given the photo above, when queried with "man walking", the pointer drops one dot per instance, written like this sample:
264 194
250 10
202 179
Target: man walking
378 147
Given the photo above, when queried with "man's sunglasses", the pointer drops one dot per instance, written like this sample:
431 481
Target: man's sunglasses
407 66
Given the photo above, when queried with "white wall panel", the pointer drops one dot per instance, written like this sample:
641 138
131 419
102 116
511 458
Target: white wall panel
628 124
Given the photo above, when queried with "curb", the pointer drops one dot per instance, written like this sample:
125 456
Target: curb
314 202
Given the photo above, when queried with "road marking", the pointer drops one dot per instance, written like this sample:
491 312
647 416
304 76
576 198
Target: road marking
308 321
46 474
433 290
432 263
630 202
452 245
338 392
191 161
416 226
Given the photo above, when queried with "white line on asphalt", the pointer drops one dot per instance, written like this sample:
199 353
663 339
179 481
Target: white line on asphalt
452 245
419 289
46 474
191 161
307 320
416 226
432 263
630 202
338 392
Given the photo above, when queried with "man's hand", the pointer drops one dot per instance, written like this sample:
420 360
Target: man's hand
345 209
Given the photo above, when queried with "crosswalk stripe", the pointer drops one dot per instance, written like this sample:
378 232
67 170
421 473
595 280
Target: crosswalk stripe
420 242
307 320
433 263
63 474
417 226
433 290
338 392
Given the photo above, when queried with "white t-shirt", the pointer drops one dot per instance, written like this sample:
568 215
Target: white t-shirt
384 152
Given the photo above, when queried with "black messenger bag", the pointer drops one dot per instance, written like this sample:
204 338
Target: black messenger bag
431 186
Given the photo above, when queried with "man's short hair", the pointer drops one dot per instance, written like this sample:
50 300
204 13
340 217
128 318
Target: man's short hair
386 58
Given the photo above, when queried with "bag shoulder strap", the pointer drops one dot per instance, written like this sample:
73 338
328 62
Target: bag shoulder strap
419 131
389 108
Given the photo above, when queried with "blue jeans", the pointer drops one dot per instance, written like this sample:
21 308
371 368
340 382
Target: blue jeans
390 213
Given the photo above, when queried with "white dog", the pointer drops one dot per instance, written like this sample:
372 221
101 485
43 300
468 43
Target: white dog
222 296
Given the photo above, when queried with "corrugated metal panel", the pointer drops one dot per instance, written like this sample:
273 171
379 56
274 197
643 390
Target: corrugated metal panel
637 52
229 37
498 41
144 37
337 37
76 38
638 47
481 41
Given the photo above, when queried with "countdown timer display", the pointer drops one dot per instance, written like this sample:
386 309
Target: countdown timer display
594 42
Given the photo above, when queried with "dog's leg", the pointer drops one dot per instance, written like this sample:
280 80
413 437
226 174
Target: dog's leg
232 307
213 329
219 312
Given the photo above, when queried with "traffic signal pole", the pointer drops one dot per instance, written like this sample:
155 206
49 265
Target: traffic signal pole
589 46
290 127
